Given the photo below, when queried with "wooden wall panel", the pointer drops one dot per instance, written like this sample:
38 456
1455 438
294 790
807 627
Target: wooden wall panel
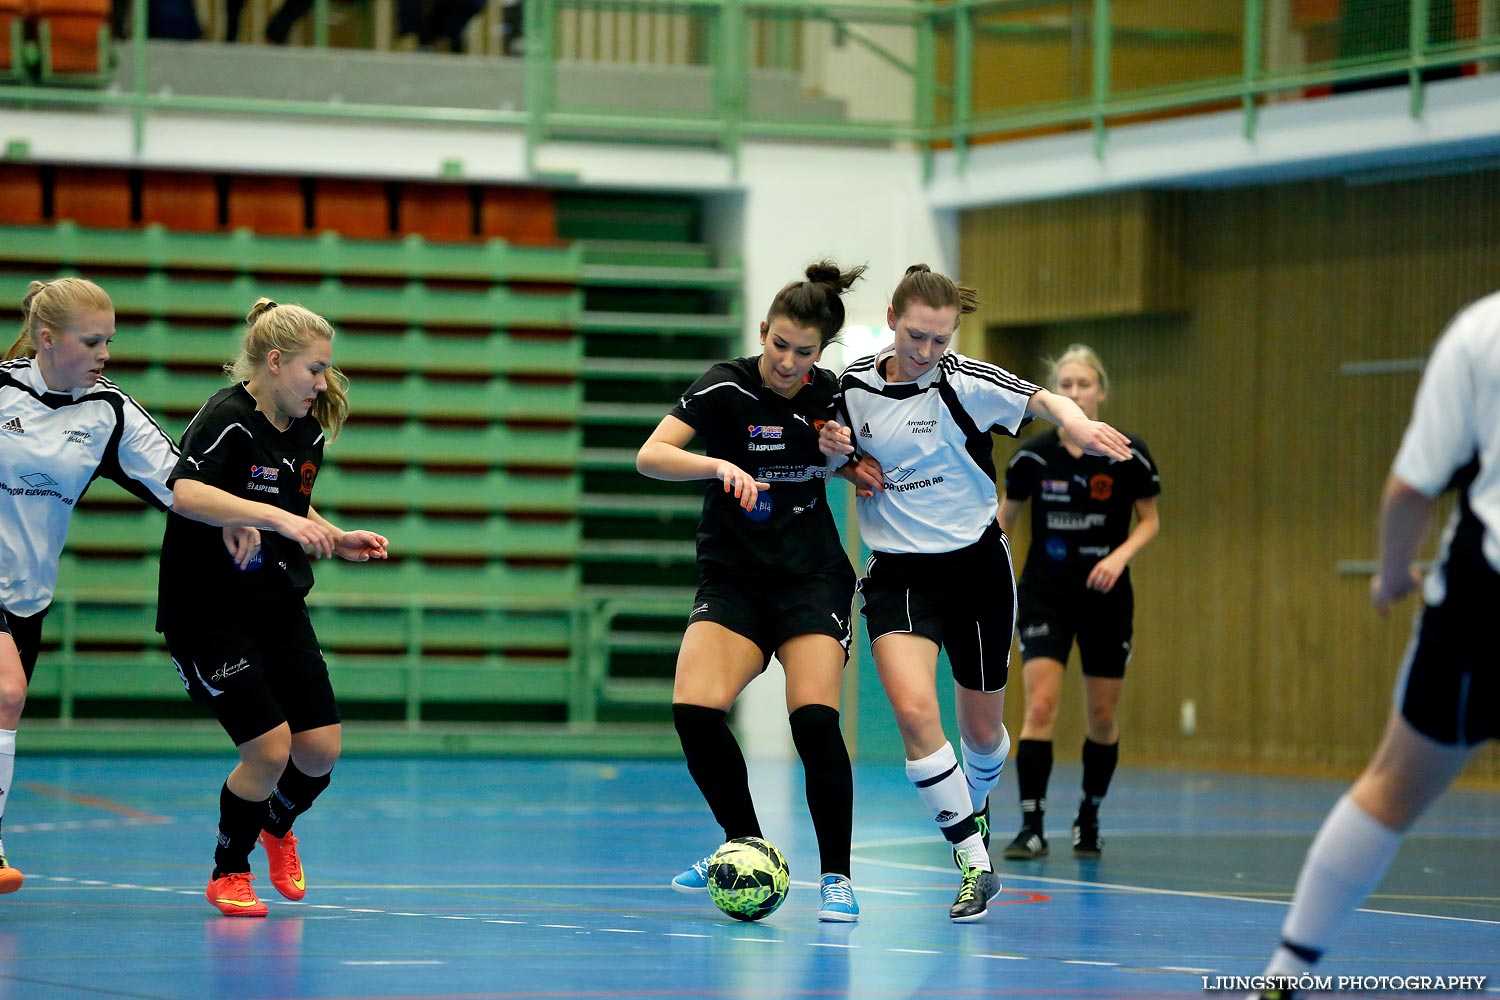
1272 460
1102 255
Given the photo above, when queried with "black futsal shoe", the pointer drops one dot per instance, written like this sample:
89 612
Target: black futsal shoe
1086 842
1028 844
975 891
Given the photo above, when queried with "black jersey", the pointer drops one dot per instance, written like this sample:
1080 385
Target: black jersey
233 446
774 439
1080 507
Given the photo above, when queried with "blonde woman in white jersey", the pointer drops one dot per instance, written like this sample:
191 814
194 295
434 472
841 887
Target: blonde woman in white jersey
62 423
918 423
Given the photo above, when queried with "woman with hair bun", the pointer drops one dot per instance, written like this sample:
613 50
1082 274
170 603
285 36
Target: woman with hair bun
774 578
917 423
251 457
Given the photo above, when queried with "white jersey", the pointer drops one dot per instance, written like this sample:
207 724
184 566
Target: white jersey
52 446
1454 434
932 438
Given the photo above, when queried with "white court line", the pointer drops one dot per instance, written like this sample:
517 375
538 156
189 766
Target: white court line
1149 890
863 889
616 930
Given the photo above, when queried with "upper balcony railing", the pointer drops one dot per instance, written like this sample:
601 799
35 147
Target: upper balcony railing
929 73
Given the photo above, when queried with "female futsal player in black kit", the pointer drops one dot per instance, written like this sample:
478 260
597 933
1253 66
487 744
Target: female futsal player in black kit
1076 584
774 578
238 629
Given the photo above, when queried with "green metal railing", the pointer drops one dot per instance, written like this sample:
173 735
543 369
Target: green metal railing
1121 60
408 671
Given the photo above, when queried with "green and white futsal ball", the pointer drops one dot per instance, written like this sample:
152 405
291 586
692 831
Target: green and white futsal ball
748 878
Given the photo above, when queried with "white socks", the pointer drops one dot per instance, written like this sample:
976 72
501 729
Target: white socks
982 770
1347 860
7 769
943 788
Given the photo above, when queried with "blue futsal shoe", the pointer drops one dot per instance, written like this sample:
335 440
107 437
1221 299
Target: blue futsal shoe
839 905
695 879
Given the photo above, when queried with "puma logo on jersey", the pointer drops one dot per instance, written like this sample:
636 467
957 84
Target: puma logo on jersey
13 425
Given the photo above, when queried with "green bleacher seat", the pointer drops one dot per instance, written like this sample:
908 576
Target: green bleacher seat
243 251
499 398
488 445
495 353
416 489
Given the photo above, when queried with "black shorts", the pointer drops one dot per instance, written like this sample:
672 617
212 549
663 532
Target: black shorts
1102 624
1449 687
256 674
770 610
965 601
26 633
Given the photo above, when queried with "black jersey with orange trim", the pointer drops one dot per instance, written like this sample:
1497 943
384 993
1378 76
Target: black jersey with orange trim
233 446
1080 507
774 439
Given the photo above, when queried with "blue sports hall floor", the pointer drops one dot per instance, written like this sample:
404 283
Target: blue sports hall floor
469 879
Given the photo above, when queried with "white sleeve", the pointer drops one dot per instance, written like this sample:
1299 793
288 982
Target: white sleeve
146 454
993 396
1442 436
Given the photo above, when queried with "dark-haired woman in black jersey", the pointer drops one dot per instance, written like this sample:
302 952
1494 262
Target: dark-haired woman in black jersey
774 578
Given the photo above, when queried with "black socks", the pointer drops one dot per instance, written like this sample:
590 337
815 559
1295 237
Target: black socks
718 767
830 782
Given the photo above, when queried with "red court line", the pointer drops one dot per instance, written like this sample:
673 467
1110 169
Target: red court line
95 802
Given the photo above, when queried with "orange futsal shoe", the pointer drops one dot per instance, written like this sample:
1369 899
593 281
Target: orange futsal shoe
10 879
286 866
232 896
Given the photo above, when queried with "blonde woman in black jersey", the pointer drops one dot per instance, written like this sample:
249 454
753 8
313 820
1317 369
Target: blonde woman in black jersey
1090 515
238 630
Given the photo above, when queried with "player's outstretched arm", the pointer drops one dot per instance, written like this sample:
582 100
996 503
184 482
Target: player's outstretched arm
665 456
356 546
1093 436
211 505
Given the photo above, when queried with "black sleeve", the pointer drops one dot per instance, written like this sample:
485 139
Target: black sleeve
702 403
1149 483
1021 475
213 447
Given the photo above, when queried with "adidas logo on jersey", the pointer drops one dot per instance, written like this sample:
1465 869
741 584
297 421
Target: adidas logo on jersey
13 425
864 431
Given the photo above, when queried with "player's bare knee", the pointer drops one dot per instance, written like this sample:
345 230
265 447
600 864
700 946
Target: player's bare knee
1041 714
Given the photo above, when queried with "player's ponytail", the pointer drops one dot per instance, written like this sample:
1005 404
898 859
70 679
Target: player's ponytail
922 284
816 302
290 329
53 305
